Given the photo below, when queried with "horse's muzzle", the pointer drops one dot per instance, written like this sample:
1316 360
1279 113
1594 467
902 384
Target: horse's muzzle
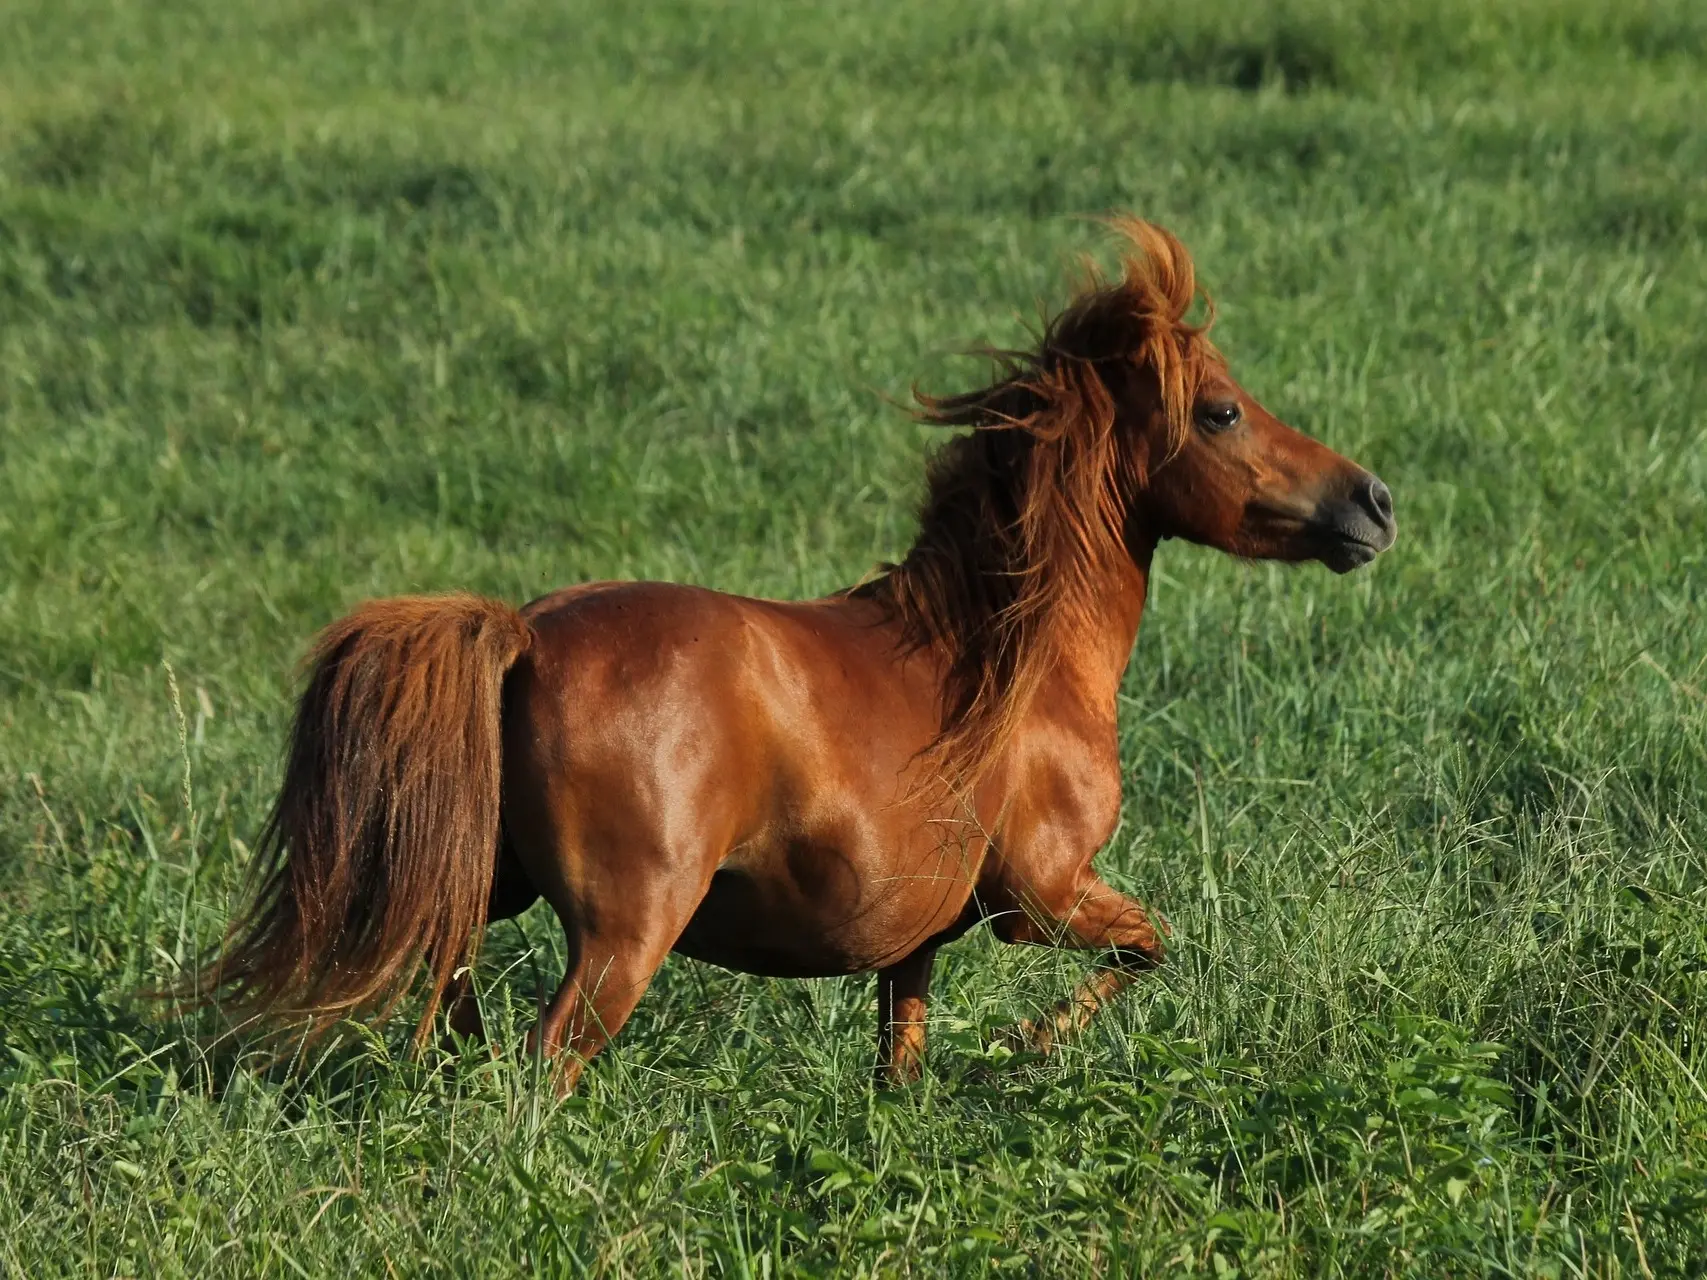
1354 529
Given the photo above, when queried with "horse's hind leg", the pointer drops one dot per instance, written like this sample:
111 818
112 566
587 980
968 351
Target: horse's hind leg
601 989
612 833
512 893
623 897
609 970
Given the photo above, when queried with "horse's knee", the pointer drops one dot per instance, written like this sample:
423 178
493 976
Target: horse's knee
1091 916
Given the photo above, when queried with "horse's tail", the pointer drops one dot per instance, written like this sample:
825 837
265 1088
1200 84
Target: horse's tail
378 856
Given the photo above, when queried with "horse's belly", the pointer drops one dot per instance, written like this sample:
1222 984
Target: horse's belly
753 924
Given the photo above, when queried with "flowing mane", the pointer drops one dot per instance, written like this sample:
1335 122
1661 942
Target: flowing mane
1021 513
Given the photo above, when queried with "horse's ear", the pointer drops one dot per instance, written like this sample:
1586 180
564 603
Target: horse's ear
1012 402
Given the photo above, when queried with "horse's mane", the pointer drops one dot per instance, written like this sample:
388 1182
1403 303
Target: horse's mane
1020 514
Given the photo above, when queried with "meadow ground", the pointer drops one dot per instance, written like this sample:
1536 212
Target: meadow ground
303 303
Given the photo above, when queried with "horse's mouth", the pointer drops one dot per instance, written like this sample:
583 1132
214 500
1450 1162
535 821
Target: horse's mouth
1342 554
1343 550
1342 540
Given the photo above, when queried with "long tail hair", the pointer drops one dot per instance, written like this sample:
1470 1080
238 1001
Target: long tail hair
377 859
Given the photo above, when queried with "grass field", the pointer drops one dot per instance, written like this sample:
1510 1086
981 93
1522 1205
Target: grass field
303 303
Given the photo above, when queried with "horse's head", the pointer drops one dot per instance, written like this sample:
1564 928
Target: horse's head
1125 425
1240 480
1122 427
1206 461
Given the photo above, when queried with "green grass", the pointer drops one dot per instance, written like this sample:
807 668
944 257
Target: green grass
304 303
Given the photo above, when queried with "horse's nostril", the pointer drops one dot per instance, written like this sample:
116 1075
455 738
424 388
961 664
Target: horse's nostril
1378 499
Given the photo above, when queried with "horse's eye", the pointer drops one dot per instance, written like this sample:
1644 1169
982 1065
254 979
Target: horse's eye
1220 416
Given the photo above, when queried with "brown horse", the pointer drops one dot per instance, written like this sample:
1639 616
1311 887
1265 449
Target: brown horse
793 788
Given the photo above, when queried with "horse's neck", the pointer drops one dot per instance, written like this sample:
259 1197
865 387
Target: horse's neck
1069 729
1095 646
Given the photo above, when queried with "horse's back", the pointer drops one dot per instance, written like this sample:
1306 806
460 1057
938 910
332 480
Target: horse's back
653 646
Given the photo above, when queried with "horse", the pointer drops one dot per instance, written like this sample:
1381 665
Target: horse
792 788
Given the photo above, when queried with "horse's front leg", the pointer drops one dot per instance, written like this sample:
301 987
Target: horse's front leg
901 992
1087 915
